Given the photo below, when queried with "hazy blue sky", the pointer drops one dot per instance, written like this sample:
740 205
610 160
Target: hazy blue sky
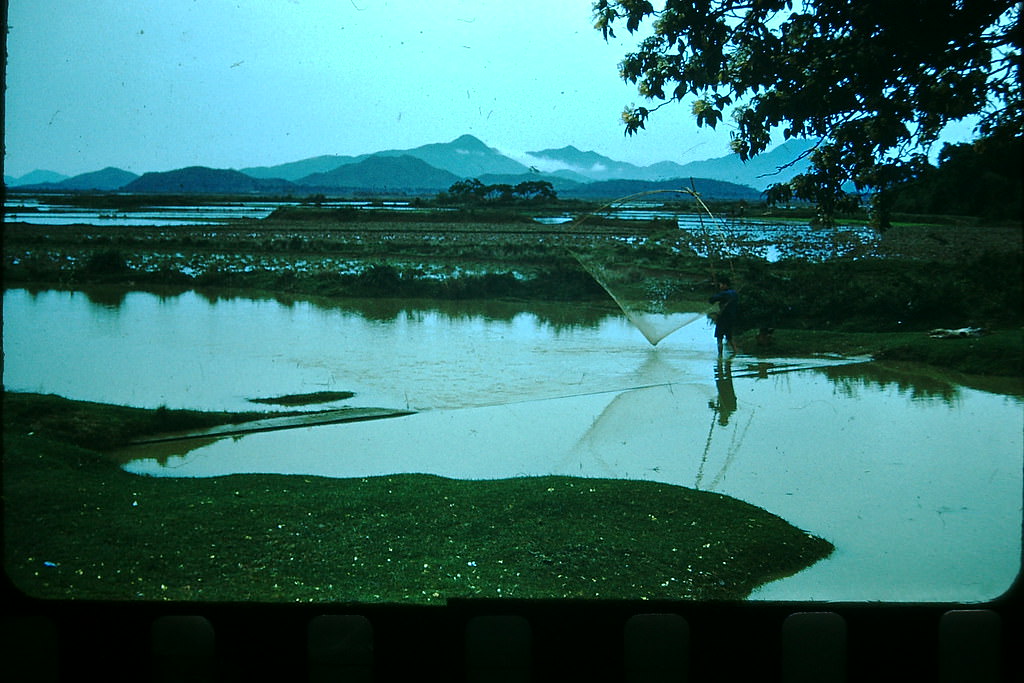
153 85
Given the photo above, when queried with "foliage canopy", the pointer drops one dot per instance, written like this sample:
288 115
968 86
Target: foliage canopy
873 81
472 191
982 179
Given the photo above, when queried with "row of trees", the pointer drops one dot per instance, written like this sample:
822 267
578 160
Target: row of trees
980 179
475 192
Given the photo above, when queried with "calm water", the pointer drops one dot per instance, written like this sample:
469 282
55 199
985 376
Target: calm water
917 481
28 210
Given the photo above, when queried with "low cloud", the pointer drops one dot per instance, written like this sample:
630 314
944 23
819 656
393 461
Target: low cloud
547 165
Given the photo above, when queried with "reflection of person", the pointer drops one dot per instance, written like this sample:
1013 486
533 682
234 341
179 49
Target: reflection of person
726 404
728 310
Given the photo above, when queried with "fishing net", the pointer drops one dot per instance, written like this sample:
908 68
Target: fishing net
656 298
657 301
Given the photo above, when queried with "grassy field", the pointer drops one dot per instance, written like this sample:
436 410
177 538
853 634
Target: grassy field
78 527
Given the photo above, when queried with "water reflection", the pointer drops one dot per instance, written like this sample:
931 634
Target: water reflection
920 385
722 409
557 317
168 455
214 351
726 403
109 298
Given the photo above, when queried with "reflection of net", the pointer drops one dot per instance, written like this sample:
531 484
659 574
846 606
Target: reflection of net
658 302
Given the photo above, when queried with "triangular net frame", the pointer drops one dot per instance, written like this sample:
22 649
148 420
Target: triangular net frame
656 301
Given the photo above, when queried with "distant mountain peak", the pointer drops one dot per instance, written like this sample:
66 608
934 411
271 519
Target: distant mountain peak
468 140
569 152
38 177
589 164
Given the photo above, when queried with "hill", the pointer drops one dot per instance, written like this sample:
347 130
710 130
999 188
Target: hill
34 178
763 170
434 167
405 174
465 157
572 163
706 188
108 179
297 170
759 172
203 180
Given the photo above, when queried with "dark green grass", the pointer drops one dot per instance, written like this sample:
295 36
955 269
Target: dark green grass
101 426
304 399
77 527
997 354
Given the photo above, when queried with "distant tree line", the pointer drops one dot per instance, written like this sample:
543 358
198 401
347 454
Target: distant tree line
980 179
473 191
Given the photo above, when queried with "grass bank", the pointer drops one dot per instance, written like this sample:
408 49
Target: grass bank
1000 353
78 527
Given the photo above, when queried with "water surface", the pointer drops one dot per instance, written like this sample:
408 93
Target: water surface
917 482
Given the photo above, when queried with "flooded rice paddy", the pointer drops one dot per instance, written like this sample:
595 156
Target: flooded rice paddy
916 481
33 211
768 239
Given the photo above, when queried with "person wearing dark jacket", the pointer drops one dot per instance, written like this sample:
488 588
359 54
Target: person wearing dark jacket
728 310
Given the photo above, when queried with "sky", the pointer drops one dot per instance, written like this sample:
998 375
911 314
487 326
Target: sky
156 85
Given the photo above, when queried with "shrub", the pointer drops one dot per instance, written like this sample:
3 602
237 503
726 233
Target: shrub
106 263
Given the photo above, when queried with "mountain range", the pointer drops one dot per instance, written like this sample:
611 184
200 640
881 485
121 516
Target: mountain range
433 168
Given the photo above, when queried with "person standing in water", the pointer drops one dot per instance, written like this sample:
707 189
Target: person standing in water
728 310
